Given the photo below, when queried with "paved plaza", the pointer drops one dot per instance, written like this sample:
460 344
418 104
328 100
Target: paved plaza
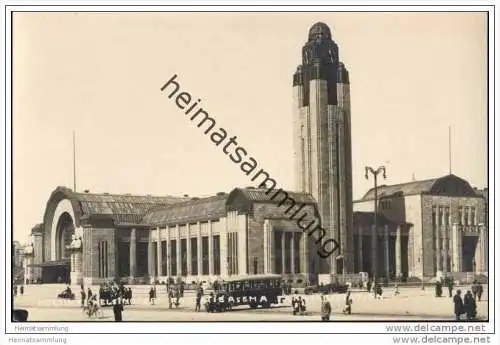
412 303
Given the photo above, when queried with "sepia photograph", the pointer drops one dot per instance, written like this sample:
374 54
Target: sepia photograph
183 169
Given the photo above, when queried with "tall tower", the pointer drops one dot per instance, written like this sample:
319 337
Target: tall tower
322 141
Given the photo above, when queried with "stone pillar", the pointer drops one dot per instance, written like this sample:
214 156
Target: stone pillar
386 252
178 256
446 246
133 256
360 249
151 263
437 239
159 253
292 253
457 248
210 249
189 259
304 254
223 247
199 259
76 274
167 253
398 252
267 259
283 257
374 251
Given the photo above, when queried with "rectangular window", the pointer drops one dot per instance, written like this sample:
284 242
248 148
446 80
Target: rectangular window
184 257
173 257
155 258
232 258
473 216
466 216
447 216
441 212
460 214
99 259
164 257
194 256
278 263
204 255
216 254
434 216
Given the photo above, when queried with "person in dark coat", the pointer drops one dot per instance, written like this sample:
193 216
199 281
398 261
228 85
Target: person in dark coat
459 305
83 296
326 308
479 291
470 306
439 288
21 291
118 309
89 294
199 294
450 285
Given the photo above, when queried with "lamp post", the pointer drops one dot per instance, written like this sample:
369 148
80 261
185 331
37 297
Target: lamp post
375 173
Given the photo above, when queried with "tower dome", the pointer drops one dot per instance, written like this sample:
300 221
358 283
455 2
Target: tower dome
320 31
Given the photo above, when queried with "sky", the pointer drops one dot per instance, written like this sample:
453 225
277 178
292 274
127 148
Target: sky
99 74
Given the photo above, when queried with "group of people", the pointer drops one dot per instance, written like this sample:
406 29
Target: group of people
14 290
298 304
112 292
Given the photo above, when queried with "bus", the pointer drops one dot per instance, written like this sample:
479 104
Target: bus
256 290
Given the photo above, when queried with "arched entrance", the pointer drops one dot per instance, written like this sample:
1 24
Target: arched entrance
64 230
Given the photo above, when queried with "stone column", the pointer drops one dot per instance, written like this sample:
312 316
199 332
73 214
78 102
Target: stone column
446 246
159 252
283 257
292 253
210 249
167 252
133 257
151 263
304 254
374 251
360 249
178 256
199 259
189 259
76 274
223 247
457 248
439 254
386 252
267 259
398 251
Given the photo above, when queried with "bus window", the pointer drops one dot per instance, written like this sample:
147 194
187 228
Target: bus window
246 285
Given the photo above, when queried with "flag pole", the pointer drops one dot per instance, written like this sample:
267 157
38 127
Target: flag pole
74 163
449 150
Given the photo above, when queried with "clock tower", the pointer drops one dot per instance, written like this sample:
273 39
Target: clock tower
322 143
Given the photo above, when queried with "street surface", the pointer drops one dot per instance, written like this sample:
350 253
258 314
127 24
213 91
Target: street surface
411 304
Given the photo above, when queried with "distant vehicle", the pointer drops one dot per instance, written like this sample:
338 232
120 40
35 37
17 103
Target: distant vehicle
254 291
327 288
19 315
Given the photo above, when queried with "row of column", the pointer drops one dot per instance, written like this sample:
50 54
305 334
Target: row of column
374 250
270 250
178 256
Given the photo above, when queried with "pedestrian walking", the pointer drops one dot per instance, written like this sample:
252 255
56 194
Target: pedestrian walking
348 303
470 306
326 309
21 290
458 305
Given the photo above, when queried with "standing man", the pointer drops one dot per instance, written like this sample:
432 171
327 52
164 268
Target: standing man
118 308
458 305
450 285
326 308
199 294
83 296
470 306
